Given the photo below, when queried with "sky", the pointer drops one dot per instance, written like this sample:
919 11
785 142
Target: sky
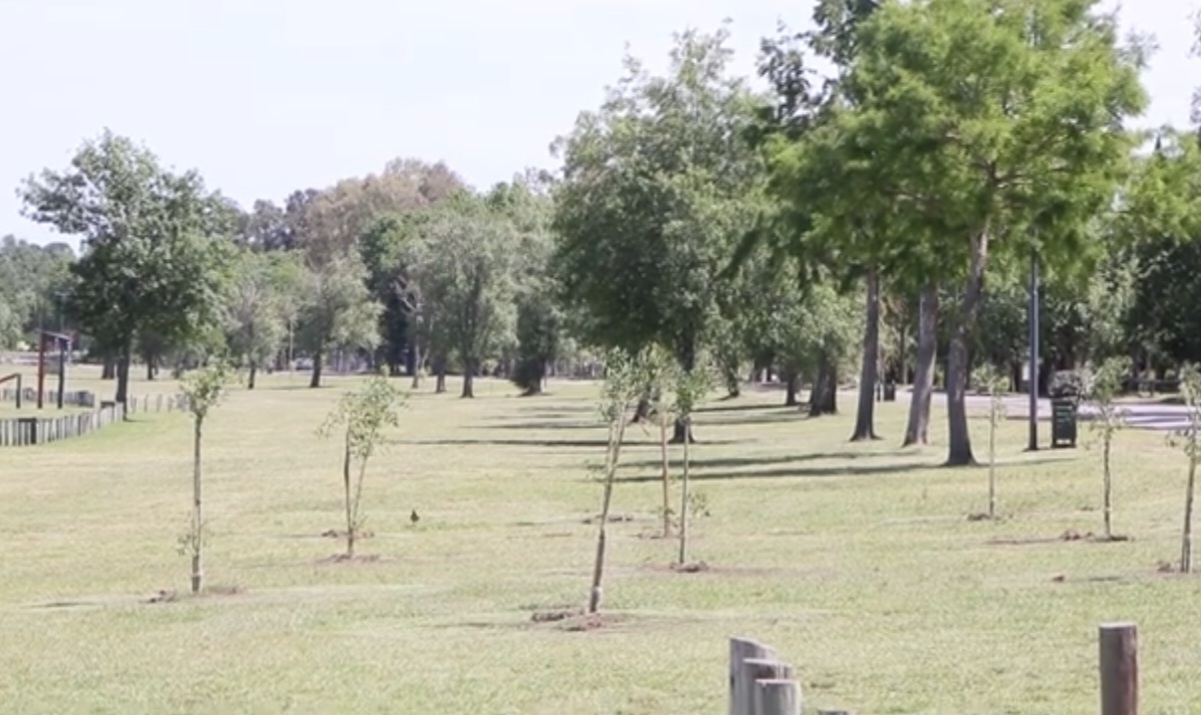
268 96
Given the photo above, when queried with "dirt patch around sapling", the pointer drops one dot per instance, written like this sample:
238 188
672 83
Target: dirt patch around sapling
345 559
336 534
170 595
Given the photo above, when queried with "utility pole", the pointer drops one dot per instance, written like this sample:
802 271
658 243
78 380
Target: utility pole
1032 320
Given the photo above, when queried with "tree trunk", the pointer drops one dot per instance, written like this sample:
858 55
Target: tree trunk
917 430
316 379
643 409
468 379
791 387
440 370
109 370
254 371
959 448
123 361
823 398
149 366
684 509
682 434
346 486
666 477
598 567
868 374
1107 501
197 514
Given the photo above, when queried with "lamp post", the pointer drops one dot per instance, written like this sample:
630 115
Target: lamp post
1032 320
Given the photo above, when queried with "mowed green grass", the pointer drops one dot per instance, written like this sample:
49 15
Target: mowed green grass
855 561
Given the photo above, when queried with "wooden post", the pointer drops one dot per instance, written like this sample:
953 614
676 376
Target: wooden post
1119 668
742 649
777 697
756 669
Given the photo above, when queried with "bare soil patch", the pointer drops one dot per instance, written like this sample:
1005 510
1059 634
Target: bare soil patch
356 559
336 534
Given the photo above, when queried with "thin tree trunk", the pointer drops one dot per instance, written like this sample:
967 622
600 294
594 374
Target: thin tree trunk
992 464
346 486
316 379
149 366
197 514
868 374
1186 539
109 370
959 448
684 509
123 375
666 477
468 379
598 568
254 371
917 430
1107 500
643 409
440 370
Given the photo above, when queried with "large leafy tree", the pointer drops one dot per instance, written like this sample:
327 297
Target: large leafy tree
340 313
150 263
656 190
462 264
33 284
982 119
256 309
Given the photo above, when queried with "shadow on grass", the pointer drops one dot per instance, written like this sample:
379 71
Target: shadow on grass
552 443
816 472
730 462
571 422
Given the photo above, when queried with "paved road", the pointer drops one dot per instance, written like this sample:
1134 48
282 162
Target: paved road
1143 415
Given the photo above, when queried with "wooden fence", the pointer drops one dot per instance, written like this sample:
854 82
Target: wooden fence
37 429
762 684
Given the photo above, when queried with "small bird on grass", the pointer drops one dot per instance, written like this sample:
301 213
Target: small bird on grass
413 517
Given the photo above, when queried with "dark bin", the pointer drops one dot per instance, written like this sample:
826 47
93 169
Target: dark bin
1063 422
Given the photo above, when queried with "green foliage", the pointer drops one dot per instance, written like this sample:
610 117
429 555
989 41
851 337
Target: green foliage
150 264
206 387
364 415
33 284
257 307
654 198
339 311
462 264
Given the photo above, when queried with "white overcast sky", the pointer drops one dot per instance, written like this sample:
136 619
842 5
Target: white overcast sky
268 96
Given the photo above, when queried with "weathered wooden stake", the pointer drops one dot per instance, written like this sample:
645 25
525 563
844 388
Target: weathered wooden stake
1119 669
777 697
742 649
756 669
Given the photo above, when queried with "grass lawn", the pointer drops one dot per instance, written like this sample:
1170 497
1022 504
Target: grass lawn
855 561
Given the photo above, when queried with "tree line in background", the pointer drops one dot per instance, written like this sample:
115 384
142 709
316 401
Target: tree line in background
873 222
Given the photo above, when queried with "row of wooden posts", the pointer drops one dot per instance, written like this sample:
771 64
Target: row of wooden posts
762 684
34 430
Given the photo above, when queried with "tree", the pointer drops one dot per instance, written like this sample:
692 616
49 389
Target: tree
658 186
362 417
1102 387
690 389
463 267
624 383
981 122
255 311
340 312
988 378
150 265
204 389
